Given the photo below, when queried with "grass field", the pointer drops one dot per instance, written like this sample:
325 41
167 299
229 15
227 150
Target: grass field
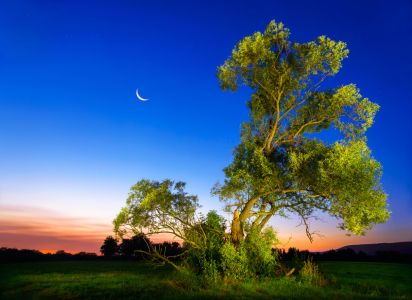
135 280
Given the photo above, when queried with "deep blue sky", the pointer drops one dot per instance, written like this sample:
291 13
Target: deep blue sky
74 137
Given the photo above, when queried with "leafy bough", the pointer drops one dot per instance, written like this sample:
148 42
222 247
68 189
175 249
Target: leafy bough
162 208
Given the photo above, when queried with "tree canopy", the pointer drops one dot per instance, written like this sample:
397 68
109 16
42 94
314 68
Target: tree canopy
153 206
279 166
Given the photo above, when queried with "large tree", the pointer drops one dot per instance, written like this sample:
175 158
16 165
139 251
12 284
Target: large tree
279 167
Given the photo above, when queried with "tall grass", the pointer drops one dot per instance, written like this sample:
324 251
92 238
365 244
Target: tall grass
310 274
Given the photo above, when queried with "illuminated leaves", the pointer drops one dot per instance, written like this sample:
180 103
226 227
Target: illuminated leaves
278 167
159 207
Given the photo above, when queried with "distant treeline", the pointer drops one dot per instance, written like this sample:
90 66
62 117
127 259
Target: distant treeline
126 250
110 249
347 255
128 247
28 255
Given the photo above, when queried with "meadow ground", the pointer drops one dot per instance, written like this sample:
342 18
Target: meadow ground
136 280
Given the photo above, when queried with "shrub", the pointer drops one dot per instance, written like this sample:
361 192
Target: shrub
299 259
210 234
258 246
219 258
309 274
235 262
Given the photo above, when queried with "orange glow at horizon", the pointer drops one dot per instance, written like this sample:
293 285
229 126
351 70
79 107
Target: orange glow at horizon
48 230
54 251
37 228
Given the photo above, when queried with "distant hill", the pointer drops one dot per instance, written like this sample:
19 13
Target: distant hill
370 249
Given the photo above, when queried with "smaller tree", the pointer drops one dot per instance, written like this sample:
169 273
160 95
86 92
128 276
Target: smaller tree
109 247
159 207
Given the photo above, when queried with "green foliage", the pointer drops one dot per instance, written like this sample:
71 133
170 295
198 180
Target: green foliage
219 258
209 267
299 259
235 262
210 234
309 273
155 207
253 256
258 246
279 167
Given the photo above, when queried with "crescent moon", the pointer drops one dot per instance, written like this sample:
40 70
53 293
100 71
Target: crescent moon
140 97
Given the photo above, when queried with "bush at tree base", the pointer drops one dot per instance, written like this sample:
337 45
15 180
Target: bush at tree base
219 257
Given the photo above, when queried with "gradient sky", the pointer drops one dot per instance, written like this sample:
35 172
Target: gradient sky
74 138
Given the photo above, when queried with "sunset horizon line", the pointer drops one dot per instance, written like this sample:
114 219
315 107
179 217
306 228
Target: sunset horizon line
43 251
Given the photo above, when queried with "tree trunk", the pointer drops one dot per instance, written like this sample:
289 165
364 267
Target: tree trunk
237 230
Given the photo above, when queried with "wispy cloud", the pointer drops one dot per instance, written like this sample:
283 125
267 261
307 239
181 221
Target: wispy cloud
38 228
42 228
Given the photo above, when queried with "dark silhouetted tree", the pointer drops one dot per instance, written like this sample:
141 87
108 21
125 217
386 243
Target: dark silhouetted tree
137 242
109 247
362 256
126 248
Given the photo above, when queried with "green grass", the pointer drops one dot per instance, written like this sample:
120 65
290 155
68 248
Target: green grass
135 280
